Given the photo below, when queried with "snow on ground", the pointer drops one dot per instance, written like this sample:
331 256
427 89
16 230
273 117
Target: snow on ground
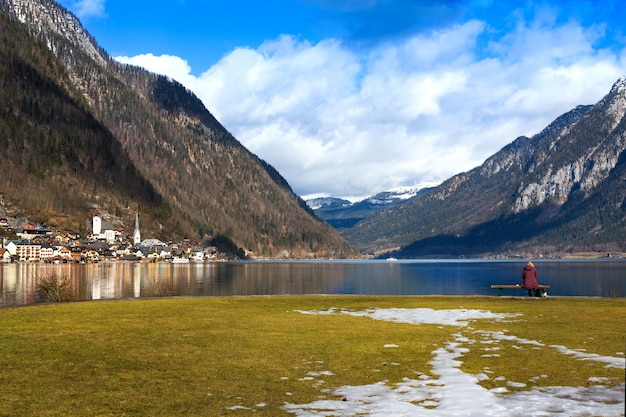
455 393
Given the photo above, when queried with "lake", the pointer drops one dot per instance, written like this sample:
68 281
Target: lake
118 280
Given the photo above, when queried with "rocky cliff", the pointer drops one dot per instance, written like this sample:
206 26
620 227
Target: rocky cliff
559 191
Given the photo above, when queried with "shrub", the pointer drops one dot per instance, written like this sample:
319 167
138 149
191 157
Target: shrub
54 287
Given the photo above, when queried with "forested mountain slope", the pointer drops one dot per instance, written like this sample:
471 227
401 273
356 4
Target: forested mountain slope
56 156
562 190
86 134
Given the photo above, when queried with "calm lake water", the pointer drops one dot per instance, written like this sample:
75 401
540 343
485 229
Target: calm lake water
116 280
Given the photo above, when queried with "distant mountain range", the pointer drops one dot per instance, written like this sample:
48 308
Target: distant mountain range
343 214
559 192
81 134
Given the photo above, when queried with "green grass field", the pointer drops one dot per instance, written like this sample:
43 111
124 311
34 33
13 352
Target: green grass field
238 356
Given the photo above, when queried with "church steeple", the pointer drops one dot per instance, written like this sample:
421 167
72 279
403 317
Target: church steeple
137 234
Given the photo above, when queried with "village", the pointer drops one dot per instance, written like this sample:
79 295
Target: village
103 244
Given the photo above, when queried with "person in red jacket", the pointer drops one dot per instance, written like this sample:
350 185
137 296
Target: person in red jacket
529 279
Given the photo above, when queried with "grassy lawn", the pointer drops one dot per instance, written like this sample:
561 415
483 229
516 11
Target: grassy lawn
235 356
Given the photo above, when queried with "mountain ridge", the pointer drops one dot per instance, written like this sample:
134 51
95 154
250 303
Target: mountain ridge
526 198
208 183
343 214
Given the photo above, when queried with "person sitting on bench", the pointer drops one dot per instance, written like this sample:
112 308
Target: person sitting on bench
529 279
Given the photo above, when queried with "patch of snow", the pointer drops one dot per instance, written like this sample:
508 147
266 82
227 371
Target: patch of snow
611 361
452 392
406 192
459 317
237 407
330 311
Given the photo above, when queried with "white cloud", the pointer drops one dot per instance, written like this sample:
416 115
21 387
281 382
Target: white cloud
88 8
173 66
338 122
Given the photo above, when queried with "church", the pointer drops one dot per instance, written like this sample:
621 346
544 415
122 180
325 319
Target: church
104 230
136 233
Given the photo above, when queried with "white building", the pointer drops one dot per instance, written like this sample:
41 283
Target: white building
110 236
97 226
103 230
47 252
5 255
24 250
137 234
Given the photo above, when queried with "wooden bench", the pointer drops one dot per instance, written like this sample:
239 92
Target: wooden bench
542 288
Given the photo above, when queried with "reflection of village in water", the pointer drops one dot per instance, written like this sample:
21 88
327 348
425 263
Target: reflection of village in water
104 243
126 280
111 280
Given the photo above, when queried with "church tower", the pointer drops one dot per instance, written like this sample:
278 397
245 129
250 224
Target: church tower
97 226
137 234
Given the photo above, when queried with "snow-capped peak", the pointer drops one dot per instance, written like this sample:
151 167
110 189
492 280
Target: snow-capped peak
410 191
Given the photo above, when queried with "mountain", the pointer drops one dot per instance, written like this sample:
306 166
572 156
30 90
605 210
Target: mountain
327 202
82 134
342 214
560 191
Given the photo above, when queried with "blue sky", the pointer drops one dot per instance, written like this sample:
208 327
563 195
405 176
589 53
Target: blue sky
348 98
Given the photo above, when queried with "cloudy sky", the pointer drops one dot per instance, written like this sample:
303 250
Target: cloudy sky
348 98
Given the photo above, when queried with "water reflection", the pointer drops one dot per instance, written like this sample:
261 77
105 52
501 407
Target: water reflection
117 280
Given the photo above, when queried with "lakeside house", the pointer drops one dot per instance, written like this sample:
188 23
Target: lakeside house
30 232
5 255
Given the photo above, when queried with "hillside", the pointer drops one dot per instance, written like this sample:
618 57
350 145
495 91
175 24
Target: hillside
56 156
560 191
84 134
